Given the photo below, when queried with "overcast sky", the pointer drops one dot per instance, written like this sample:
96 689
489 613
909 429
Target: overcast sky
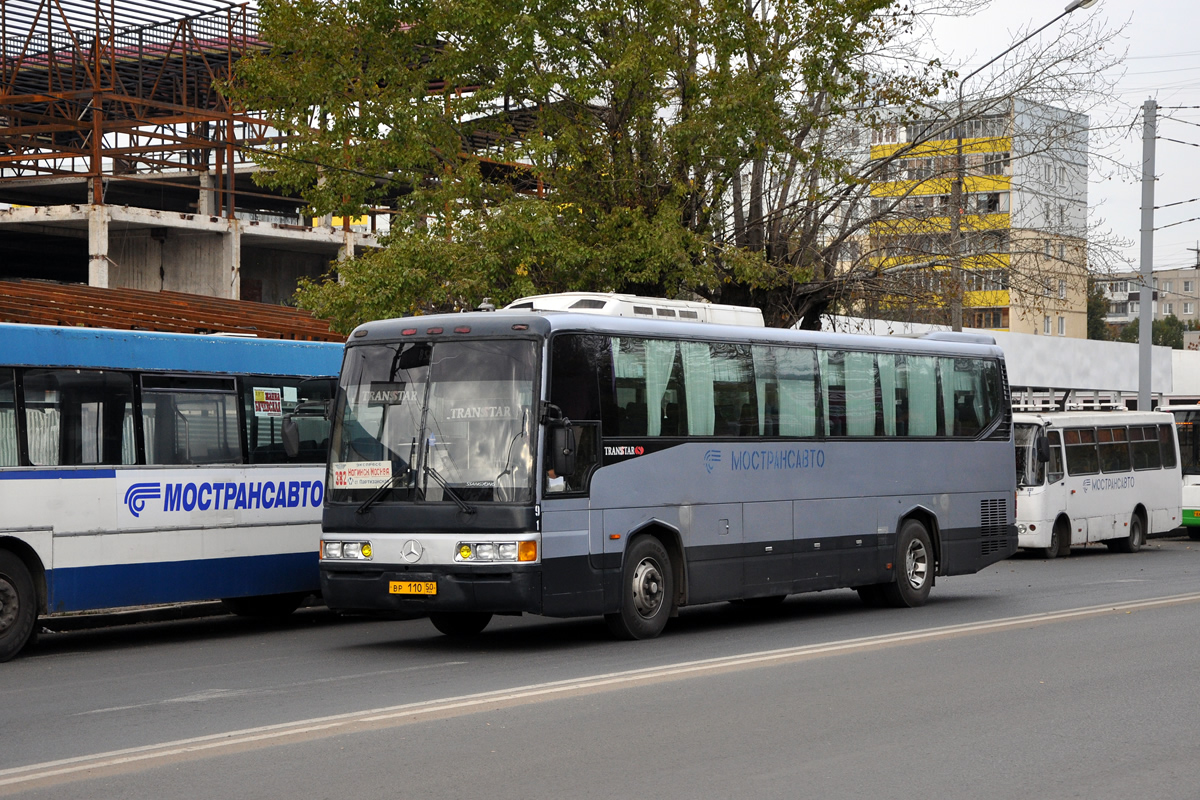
1163 41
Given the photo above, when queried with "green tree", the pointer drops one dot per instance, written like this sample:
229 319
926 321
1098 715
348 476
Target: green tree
1166 332
1097 309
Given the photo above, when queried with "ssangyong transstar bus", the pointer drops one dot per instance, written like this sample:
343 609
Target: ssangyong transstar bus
570 464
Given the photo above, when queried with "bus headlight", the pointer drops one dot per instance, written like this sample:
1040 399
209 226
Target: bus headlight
360 551
495 551
1021 528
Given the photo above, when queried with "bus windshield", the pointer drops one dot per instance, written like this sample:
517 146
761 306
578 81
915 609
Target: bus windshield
1186 423
1030 471
435 421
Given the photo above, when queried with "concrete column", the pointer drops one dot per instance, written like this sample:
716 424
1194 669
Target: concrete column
206 205
346 251
98 265
232 244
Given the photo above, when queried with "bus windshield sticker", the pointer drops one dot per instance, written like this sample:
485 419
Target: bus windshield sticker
361 474
488 409
290 395
268 402
384 393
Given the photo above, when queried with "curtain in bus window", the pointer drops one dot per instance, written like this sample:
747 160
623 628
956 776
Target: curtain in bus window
660 358
766 383
77 417
921 376
734 406
8 420
698 383
797 376
833 391
860 394
947 380
889 396
629 373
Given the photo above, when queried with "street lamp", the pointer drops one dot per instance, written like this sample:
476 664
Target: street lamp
956 191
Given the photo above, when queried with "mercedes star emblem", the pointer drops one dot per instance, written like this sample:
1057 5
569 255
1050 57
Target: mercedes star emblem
411 551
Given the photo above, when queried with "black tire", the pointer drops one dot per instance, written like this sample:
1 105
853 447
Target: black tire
18 605
1054 548
462 625
1194 534
1063 529
265 606
647 591
914 568
1133 542
873 596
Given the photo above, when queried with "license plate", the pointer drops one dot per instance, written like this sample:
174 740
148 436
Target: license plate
412 587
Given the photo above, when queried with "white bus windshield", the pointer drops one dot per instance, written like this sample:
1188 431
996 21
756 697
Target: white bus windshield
1186 423
436 421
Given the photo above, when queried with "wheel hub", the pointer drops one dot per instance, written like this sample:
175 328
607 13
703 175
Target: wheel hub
647 588
916 564
8 604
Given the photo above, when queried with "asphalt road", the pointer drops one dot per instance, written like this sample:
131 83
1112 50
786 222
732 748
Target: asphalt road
1067 678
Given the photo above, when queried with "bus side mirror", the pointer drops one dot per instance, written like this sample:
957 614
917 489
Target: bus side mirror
289 431
562 449
1043 449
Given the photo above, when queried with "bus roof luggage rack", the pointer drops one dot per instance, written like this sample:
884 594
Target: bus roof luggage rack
612 304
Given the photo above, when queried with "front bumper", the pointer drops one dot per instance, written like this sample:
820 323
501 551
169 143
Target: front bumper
358 588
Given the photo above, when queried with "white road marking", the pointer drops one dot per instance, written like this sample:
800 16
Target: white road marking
147 755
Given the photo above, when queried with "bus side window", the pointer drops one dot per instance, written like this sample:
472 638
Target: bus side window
1082 458
1114 449
190 420
75 417
1144 444
1054 469
264 416
1167 445
9 453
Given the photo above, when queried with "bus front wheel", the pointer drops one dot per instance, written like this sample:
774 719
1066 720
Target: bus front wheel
18 607
914 552
461 624
647 586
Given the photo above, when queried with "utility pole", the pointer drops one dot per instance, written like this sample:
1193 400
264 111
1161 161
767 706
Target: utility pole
1146 295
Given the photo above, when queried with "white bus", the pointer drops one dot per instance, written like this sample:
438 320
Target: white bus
144 468
570 464
628 305
1187 426
1095 476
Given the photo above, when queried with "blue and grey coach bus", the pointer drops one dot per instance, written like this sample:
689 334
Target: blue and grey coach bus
569 464
143 468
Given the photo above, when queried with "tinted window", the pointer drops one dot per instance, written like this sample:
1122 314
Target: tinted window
1054 469
786 390
1082 458
75 417
1166 441
1114 449
1143 442
721 392
648 387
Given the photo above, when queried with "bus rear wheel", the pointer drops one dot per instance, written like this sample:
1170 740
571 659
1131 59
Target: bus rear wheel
18 607
462 624
1133 542
647 586
914 552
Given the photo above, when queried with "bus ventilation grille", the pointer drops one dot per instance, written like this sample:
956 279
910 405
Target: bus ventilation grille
993 525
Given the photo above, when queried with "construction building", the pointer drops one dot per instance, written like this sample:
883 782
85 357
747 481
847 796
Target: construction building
1003 197
123 167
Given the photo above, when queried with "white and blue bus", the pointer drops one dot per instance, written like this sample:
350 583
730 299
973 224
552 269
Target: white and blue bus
145 468
570 464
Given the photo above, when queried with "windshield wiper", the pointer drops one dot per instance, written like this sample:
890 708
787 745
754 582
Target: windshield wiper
458 501
383 489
